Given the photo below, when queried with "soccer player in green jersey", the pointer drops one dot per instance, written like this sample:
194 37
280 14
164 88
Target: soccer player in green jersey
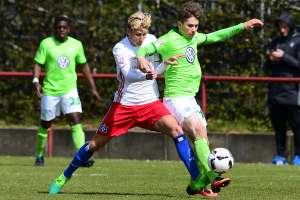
183 80
58 56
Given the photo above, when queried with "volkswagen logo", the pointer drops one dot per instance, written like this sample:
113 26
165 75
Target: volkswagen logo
190 55
63 62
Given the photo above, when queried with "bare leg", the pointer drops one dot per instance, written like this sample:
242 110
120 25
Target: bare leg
168 125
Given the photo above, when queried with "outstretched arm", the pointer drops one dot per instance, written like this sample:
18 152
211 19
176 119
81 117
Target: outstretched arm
88 75
252 23
226 33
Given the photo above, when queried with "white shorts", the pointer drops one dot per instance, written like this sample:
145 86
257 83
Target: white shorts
182 107
69 103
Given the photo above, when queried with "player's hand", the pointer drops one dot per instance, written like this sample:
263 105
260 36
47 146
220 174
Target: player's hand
251 23
171 60
143 64
96 94
151 74
38 89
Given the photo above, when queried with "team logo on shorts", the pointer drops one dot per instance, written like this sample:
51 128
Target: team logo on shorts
103 129
187 109
190 55
63 62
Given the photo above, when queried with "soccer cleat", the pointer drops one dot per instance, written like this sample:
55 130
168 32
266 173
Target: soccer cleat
218 183
296 161
201 182
39 161
203 191
279 161
88 163
58 184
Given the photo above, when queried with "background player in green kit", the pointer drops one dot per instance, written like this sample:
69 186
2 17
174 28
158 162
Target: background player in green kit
58 56
182 81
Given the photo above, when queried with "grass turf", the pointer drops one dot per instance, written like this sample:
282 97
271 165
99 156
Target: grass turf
135 179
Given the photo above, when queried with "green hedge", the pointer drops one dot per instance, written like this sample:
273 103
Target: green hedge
101 24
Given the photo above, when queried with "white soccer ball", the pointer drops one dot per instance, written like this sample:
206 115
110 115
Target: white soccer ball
220 160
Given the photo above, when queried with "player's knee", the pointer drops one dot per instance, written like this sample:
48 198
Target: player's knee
175 130
46 124
178 130
73 118
198 132
74 121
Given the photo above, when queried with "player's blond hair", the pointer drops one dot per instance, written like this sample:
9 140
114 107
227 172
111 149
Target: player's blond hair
139 20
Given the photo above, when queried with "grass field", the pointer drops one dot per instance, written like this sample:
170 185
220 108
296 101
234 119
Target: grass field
133 179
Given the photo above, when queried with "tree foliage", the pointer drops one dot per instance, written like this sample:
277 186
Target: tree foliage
101 24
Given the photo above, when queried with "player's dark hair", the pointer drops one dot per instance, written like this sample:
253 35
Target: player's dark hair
190 9
60 18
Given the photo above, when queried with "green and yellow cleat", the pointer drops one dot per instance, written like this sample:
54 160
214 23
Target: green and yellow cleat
56 186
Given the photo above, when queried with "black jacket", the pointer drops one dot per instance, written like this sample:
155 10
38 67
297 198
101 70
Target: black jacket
287 66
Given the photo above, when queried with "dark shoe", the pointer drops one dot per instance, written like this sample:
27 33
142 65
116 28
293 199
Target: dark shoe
39 161
218 183
88 163
203 191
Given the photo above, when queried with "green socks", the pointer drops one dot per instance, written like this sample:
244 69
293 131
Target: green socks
78 136
205 180
41 139
201 182
202 152
198 162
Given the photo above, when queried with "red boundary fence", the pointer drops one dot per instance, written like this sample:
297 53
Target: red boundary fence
204 80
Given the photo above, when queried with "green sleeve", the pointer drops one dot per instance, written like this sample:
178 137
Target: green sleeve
146 50
40 56
222 34
159 46
80 57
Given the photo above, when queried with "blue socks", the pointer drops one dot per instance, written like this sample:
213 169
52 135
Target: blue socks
83 155
183 147
186 154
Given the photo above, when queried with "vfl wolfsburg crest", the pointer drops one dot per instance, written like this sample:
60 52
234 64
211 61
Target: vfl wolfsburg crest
190 55
63 62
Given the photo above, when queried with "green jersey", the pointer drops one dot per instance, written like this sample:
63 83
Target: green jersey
183 80
59 60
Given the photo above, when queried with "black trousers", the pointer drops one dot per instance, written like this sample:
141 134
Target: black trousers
280 114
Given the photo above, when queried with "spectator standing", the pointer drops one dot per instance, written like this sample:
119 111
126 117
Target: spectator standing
284 98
